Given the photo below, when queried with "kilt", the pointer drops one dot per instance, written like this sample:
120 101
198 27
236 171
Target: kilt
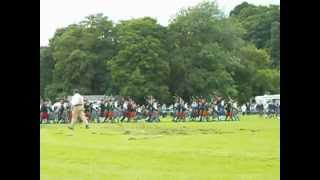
131 114
150 113
181 114
87 114
44 115
204 113
108 114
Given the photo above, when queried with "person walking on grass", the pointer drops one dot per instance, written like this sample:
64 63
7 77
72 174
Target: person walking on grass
243 109
229 111
44 113
77 105
235 111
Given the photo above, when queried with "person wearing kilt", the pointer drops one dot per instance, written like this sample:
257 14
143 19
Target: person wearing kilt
124 110
163 111
131 110
228 110
194 107
117 112
61 110
109 110
235 111
151 108
180 110
95 113
220 107
69 111
201 109
102 110
205 114
87 109
175 110
139 111
44 113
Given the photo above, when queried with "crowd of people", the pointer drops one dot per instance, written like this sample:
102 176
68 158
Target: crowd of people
125 109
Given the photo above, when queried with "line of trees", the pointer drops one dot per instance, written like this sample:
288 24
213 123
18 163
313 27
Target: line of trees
200 52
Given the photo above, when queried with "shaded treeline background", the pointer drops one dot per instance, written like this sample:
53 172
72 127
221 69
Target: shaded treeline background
201 52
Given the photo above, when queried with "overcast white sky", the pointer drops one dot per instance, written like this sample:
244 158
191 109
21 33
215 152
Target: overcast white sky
61 13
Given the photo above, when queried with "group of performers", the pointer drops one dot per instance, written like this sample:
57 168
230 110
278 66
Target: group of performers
202 110
125 109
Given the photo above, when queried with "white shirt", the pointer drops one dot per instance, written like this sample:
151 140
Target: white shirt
243 107
235 105
125 105
57 105
96 106
76 99
155 106
65 105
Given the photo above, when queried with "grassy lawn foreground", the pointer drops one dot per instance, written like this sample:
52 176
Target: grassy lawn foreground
243 150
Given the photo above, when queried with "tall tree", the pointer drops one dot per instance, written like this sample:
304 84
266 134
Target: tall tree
46 68
80 52
141 68
275 44
262 24
251 61
201 51
203 42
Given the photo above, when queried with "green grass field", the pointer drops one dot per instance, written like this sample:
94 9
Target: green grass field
242 150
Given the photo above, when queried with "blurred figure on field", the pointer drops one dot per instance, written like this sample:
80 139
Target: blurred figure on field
235 111
229 111
243 109
87 109
44 113
77 104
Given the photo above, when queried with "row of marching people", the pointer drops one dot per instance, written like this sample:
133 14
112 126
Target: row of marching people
105 110
123 110
202 110
57 112
126 110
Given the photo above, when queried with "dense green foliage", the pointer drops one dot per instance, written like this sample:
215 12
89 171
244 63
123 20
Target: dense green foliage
46 67
200 52
141 65
262 26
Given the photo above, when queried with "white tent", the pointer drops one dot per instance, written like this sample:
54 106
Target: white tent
268 98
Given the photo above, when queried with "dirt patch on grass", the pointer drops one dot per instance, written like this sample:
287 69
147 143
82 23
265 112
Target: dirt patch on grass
214 131
164 132
180 132
250 130
144 138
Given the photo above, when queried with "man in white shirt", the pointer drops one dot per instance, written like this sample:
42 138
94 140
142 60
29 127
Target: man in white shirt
77 105
243 109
